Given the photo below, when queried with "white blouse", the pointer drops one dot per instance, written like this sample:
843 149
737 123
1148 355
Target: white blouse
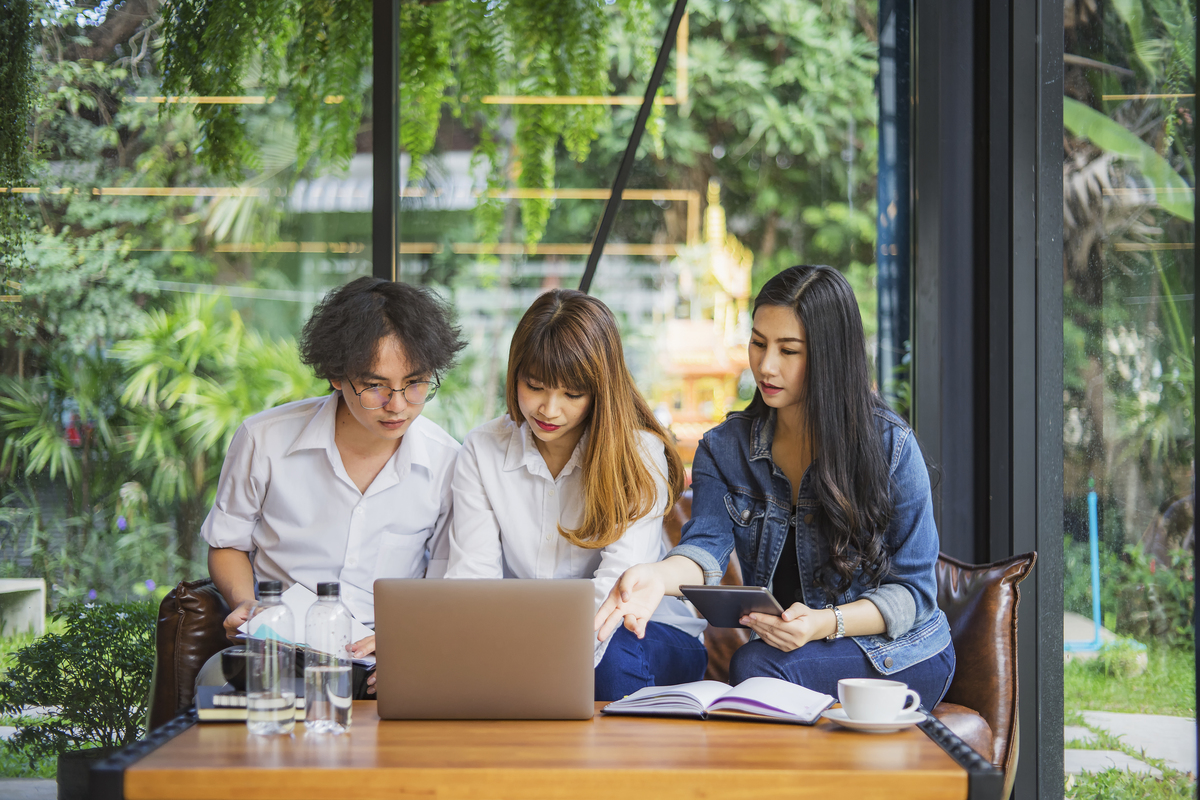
284 497
507 509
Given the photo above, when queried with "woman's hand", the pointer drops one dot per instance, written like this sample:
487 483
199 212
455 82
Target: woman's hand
633 598
798 626
361 649
236 619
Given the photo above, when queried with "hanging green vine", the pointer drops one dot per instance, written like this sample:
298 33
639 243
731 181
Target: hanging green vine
17 92
310 54
453 53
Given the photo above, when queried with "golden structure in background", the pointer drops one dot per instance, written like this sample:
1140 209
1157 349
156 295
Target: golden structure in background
706 341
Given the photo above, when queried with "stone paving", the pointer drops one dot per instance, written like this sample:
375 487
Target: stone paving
28 789
1171 739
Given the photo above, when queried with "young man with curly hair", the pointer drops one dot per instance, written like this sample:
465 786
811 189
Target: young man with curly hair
352 486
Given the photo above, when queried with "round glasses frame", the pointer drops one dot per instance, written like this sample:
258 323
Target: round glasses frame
423 391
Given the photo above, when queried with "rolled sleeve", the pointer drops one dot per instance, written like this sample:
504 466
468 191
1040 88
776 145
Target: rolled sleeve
896 606
708 565
237 507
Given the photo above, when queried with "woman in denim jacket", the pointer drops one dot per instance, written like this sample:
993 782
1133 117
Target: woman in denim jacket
824 493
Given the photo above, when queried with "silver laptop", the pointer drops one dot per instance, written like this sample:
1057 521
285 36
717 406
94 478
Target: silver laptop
484 649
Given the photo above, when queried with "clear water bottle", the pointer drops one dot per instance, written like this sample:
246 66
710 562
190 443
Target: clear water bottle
328 692
270 667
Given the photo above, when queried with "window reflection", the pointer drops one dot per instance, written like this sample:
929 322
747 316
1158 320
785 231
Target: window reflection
1128 429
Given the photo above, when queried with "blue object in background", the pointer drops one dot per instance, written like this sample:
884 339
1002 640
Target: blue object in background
1094 547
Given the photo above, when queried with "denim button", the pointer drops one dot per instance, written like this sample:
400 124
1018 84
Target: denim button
808 519
746 514
887 662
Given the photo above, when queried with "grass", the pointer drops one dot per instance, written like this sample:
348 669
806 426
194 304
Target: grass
1115 784
16 765
1166 687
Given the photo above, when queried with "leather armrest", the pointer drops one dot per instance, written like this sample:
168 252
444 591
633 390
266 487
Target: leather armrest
968 725
190 631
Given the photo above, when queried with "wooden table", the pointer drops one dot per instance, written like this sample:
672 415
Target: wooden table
606 757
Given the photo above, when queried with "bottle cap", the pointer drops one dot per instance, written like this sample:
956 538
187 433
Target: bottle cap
270 587
330 589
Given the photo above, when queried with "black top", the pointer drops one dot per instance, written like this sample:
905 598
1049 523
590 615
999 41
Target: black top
328 589
270 587
785 584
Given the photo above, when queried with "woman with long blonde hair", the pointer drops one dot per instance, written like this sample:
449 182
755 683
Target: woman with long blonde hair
573 482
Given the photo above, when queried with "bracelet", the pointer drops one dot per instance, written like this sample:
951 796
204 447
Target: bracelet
841 624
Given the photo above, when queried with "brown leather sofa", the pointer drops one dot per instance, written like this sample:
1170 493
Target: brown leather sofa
980 602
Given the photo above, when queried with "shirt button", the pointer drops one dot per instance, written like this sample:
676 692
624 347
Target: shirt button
746 514
350 562
552 493
887 662
808 519
359 511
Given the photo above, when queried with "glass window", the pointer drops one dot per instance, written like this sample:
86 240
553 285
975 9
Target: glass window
761 153
1128 393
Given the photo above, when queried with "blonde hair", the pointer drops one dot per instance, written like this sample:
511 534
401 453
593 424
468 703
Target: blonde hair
568 339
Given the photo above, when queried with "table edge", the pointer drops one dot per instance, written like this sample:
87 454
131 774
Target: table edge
984 781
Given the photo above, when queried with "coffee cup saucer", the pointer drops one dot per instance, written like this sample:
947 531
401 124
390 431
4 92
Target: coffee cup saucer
904 720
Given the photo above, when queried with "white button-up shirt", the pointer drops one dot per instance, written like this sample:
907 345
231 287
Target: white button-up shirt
507 509
284 497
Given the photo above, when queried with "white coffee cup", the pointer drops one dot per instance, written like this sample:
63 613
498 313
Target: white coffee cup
874 700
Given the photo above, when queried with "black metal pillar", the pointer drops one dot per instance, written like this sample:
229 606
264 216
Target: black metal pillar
635 138
945 355
385 142
987 311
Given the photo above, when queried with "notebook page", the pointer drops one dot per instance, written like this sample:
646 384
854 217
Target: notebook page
773 697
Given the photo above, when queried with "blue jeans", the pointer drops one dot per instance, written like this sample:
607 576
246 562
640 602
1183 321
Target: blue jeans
820 665
666 656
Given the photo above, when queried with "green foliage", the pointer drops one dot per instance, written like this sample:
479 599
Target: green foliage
1139 597
1110 135
95 675
17 93
153 417
86 289
17 765
312 56
425 74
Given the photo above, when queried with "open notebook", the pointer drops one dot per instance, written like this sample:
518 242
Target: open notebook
760 699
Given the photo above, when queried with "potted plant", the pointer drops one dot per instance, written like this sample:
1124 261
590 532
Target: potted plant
89 685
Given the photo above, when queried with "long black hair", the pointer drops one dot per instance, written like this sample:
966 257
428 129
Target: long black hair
850 468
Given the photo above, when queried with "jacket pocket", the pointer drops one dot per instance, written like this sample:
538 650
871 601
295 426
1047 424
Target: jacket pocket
746 515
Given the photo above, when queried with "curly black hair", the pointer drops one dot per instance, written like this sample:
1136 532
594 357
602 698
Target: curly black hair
341 338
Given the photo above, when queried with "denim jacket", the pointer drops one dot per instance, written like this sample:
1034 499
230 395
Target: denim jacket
741 499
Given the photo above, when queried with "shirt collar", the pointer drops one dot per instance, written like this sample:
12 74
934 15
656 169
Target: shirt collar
522 452
762 435
318 433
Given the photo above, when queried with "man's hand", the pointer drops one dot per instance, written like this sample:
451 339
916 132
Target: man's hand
798 626
360 649
236 619
633 598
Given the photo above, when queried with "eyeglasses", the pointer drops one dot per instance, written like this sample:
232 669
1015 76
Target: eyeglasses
415 393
